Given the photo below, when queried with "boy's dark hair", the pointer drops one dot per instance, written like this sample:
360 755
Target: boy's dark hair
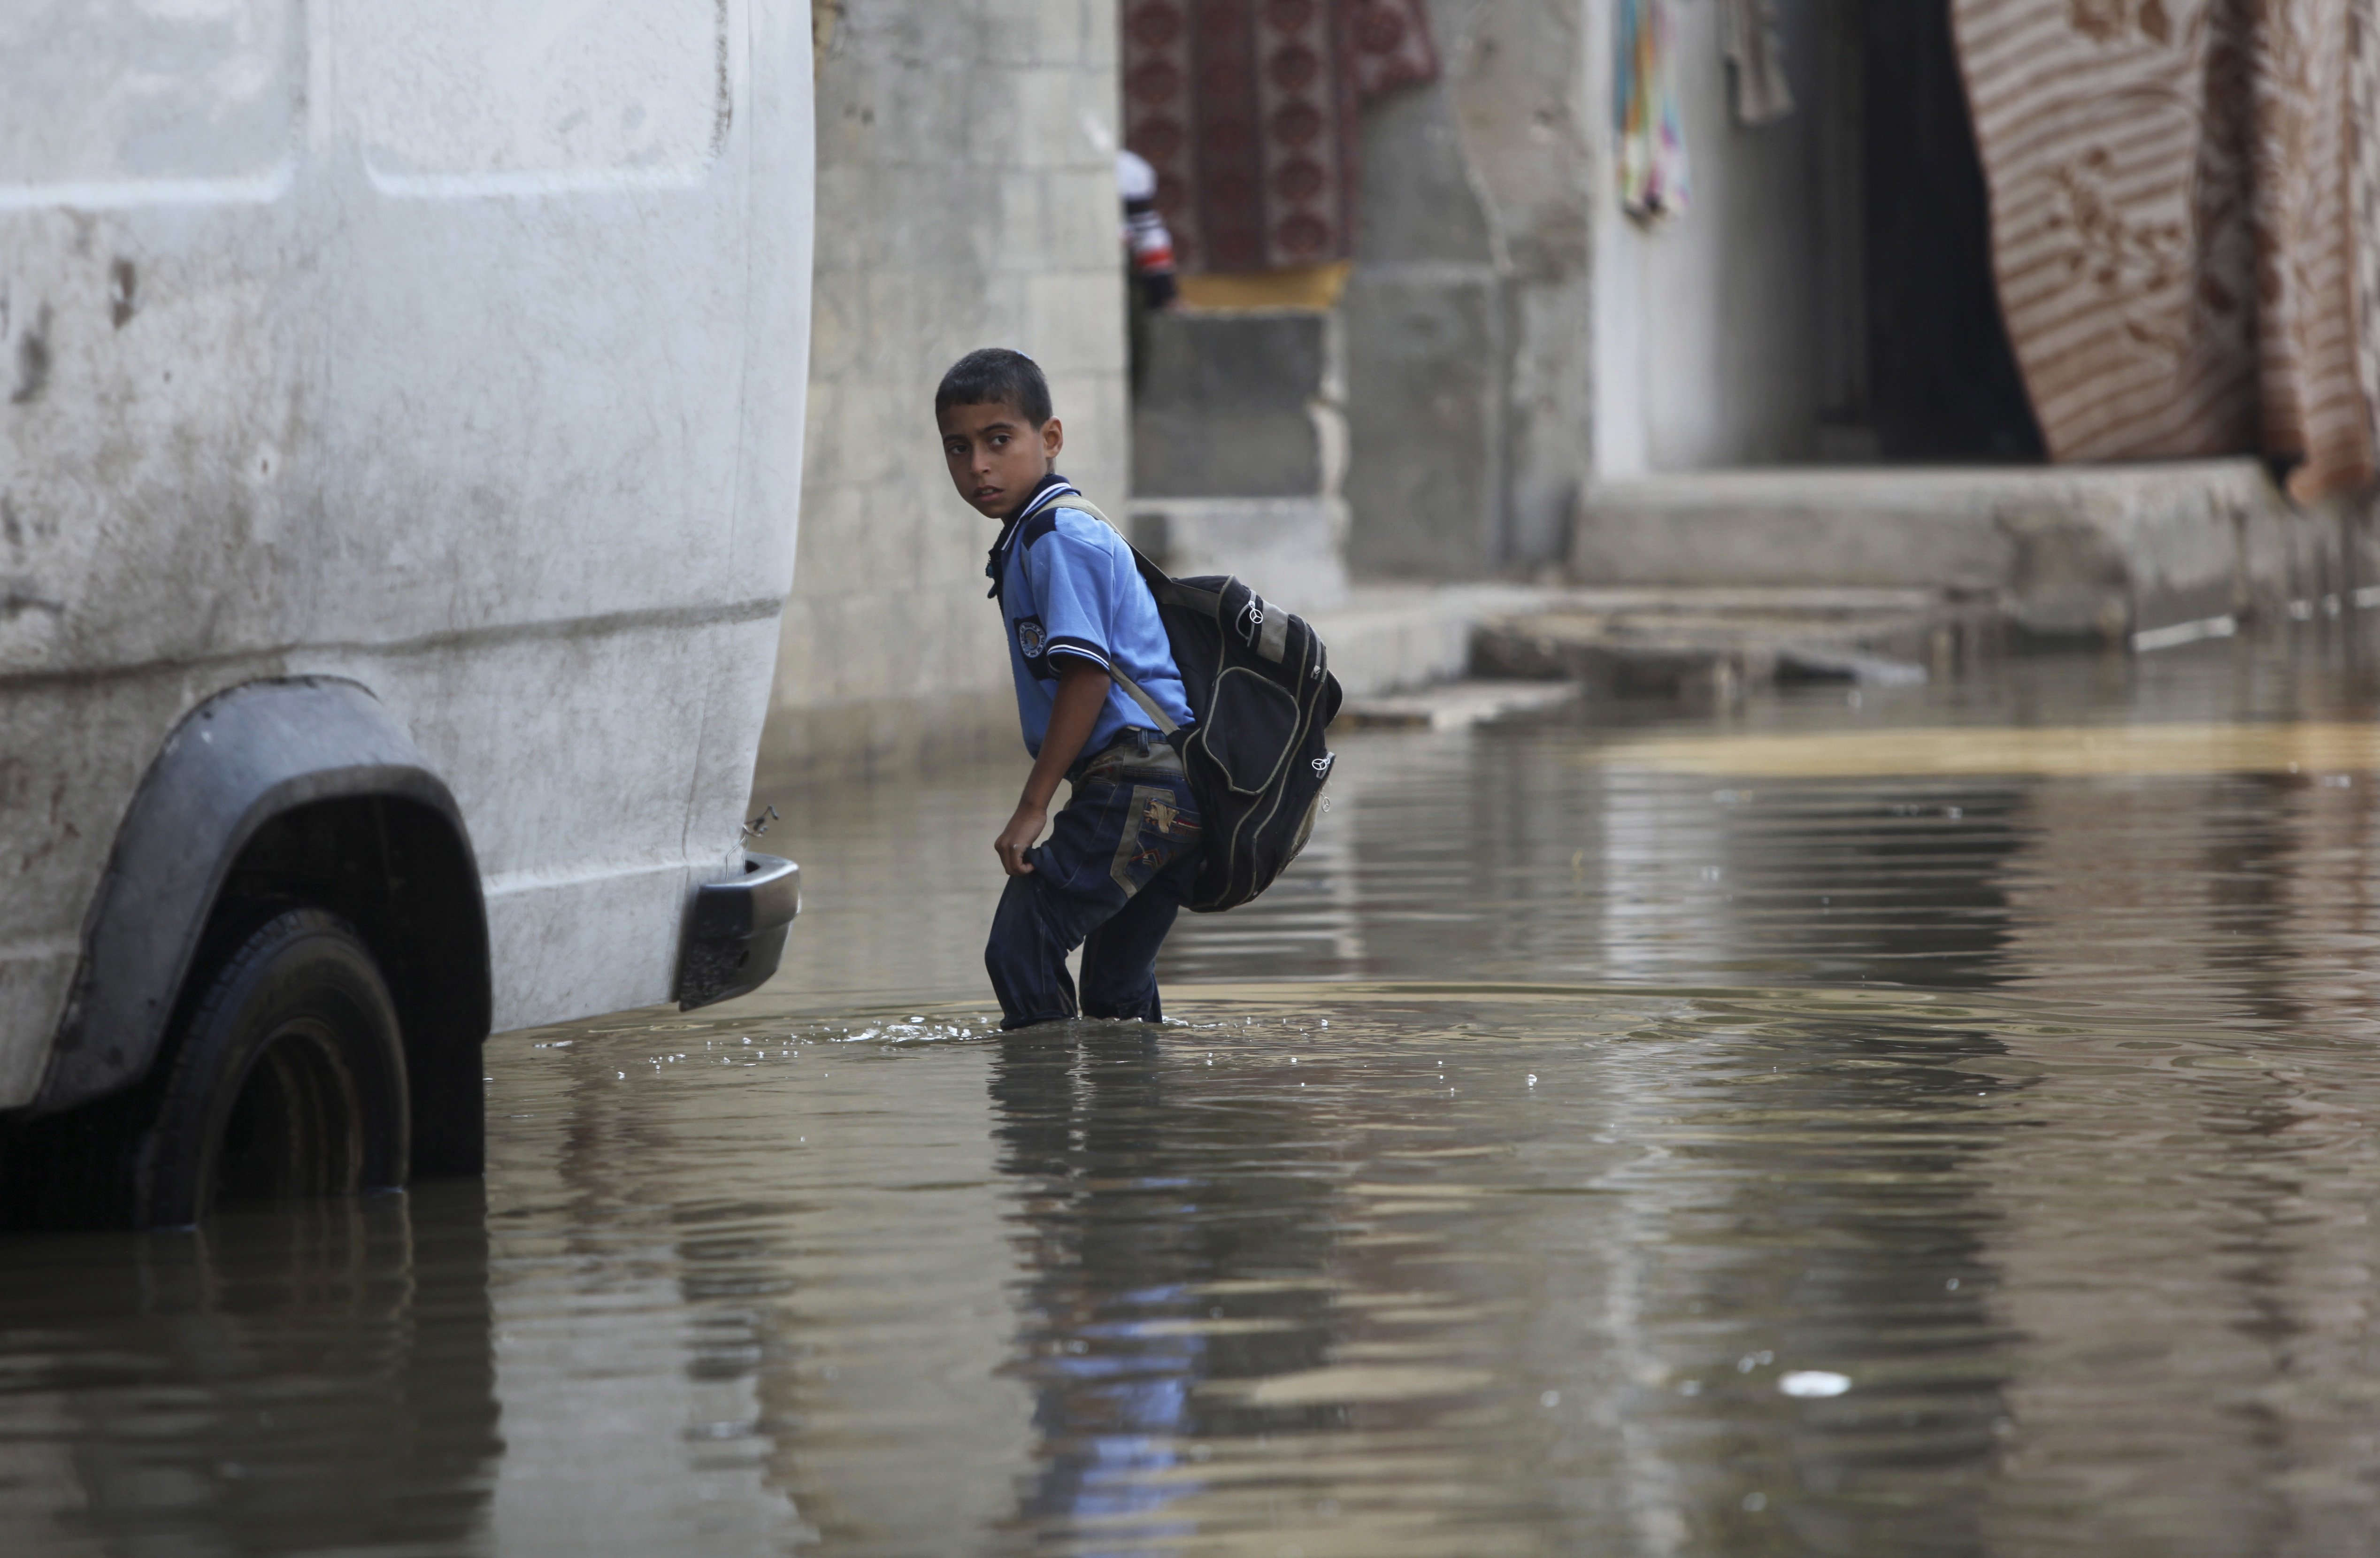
995 375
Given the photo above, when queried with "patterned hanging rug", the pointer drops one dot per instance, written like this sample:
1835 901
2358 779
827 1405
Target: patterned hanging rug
2181 223
1249 112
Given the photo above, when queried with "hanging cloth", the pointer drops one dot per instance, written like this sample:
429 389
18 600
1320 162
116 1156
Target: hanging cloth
1655 181
2363 203
1250 113
2175 224
1755 55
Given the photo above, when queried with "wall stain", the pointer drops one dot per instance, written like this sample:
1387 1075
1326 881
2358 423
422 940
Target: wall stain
121 287
723 116
32 360
18 597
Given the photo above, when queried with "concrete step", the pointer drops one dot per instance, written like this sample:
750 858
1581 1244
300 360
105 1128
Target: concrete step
1389 638
1648 642
2065 552
1454 704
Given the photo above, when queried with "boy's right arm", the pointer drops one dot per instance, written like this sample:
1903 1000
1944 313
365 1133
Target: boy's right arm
1082 693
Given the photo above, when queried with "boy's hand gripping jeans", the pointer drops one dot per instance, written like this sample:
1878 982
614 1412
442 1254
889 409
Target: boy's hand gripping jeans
1117 867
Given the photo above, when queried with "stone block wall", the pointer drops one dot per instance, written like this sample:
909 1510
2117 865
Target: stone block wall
1468 313
1512 337
1239 450
966 197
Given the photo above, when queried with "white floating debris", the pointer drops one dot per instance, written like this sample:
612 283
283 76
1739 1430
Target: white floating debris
1812 1382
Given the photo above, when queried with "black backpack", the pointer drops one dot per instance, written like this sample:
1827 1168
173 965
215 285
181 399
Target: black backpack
1261 688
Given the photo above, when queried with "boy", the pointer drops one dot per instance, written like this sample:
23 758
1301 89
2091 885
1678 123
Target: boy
1121 858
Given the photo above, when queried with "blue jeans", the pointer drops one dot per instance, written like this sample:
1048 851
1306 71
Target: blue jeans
1117 867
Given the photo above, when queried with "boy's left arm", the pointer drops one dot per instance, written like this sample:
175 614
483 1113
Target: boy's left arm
1081 692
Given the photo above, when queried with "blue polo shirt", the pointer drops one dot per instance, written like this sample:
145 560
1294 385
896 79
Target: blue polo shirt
1067 586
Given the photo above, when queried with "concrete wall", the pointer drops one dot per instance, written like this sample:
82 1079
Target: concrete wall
966 197
1512 335
1228 410
1710 346
1468 311
1240 450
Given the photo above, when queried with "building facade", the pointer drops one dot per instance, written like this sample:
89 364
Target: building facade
967 198
1495 368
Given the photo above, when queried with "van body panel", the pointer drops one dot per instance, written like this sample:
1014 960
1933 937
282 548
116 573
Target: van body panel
260 750
455 350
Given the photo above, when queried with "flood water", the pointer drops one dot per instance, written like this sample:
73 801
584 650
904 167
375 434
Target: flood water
1938 1121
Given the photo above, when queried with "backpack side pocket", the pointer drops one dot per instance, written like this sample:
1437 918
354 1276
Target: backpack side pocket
1252 730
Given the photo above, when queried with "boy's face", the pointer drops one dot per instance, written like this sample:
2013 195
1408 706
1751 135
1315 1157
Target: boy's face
996 457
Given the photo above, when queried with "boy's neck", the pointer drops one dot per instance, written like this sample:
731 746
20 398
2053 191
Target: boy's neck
1047 481
992 564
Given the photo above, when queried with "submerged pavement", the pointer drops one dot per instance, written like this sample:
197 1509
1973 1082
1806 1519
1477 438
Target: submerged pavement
1926 1119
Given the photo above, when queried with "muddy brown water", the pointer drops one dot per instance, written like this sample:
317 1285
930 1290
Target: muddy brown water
1934 1122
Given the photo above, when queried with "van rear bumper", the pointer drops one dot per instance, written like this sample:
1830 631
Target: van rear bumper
736 932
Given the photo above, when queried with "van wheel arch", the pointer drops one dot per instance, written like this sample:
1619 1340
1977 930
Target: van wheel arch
300 792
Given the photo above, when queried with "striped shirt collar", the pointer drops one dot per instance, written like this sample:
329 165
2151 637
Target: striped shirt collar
1053 487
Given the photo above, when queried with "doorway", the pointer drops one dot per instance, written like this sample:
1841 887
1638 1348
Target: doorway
1921 366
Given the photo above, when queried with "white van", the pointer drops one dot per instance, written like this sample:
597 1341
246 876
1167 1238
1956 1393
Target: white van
400 439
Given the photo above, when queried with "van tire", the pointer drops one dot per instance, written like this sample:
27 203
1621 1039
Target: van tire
286 1079
285 999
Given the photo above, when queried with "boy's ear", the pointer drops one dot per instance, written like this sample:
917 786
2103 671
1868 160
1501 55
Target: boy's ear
1053 438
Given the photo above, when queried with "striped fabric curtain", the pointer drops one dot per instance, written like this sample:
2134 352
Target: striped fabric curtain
2181 223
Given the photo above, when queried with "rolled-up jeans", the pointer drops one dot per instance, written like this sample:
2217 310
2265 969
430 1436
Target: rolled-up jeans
1117 866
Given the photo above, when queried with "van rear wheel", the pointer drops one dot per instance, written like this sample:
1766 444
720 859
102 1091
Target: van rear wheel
283 1077
286 1080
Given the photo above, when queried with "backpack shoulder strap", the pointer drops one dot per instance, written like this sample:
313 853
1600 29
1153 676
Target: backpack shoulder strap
1165 724
1088 506
1169 591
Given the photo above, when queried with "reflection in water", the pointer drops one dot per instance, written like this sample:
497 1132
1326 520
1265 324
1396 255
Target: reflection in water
1999 1057
2225 1267
1168 1251
303 1380
1824 1216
